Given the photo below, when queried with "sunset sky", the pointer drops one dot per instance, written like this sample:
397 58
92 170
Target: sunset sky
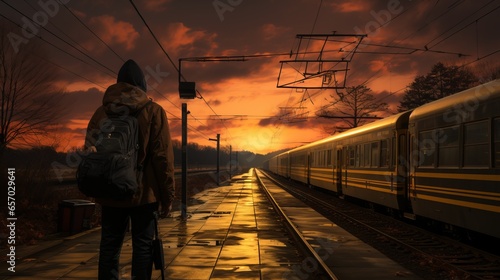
241 100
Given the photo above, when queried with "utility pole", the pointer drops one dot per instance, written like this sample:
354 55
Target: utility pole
218 149
187 90
184 162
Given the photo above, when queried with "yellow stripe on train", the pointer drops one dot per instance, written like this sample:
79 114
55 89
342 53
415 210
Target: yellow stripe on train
457 192
480 206
478 177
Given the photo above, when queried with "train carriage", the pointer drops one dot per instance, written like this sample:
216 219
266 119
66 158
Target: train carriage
440 161
299 164
455 172
371 162
321 165
283 165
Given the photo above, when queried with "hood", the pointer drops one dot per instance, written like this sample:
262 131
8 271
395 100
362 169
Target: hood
131 73
123 99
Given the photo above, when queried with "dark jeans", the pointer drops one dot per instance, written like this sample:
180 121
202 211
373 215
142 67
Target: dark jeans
114 226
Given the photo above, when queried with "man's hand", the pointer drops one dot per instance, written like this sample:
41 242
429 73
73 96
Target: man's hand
165 210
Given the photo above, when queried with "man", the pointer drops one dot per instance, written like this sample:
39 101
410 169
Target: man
156 185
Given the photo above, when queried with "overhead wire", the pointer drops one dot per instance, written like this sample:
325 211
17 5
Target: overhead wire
53 45
113 51
450 8
55 64
77 58
61 39
280 121
91 31
58 65
461 21
428 49
412 50
58 29
168 56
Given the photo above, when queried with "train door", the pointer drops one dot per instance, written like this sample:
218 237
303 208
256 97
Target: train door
338 167
308 167
403 164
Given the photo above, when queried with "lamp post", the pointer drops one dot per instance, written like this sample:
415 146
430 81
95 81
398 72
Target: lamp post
218 149
187 90
184 162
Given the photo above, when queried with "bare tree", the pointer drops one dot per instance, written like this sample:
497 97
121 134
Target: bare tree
29 101
355 107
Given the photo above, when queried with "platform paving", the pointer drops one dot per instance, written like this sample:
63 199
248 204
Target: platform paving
232 232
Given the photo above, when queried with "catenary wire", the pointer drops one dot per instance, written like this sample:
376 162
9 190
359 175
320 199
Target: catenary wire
91 31
170 59
58 37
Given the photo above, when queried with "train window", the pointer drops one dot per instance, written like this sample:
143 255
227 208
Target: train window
384 153
366 155
351 156
358 155
329 158
316 160
448 150
361 155
476 144
426 148
496 129
394 153
299 160
375 154
325 158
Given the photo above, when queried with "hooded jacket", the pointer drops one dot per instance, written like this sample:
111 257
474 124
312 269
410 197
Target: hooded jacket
155 146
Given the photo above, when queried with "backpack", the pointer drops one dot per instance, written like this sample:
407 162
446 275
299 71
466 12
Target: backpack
112 171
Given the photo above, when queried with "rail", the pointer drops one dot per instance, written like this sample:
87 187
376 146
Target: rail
293 230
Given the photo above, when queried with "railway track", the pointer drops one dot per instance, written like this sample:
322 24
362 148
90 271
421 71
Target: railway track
323 271
434 256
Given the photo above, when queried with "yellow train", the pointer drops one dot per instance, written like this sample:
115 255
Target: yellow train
440 161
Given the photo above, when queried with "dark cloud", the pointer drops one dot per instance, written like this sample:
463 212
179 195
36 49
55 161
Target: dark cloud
82 104
420 33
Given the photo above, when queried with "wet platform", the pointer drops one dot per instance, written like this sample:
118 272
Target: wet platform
232 232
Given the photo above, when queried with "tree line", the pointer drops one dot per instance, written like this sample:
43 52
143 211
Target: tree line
198 157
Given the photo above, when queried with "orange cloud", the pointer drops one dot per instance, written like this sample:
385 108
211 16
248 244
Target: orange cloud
181 37
115 31
77 124
351 6
270 31
156 5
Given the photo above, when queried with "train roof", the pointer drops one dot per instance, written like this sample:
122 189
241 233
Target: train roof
460 104
395 121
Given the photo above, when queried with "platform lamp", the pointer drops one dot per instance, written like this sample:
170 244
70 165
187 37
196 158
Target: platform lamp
187 90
